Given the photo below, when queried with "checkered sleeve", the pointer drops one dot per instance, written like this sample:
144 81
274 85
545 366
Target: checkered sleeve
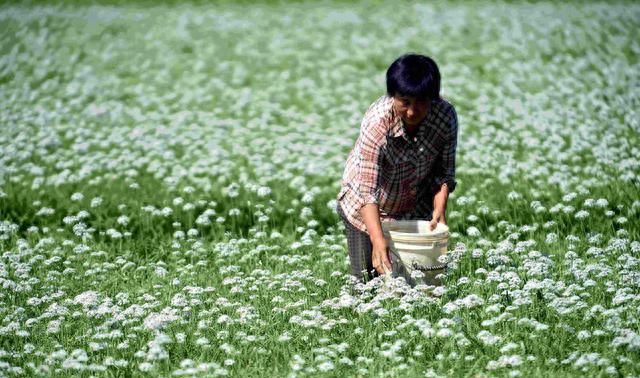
447 170
368 152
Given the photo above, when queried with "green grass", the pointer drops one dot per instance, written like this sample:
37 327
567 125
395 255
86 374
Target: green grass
246 111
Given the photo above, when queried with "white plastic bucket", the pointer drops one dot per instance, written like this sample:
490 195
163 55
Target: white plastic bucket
414 247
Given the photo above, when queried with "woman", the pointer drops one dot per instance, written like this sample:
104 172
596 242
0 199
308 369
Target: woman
402 165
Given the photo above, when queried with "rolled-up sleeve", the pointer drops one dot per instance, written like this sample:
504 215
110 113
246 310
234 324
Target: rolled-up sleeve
447 169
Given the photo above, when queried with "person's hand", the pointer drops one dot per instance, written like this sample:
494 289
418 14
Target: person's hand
380 255
438 217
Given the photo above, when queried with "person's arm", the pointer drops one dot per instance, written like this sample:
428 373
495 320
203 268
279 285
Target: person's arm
445 183
379 251
440 206
368 147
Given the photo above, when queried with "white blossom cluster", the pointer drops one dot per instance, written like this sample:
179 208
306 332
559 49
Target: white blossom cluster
168 182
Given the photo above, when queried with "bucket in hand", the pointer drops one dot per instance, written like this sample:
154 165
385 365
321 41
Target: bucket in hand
414 247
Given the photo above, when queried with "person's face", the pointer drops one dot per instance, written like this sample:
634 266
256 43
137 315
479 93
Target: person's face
411 110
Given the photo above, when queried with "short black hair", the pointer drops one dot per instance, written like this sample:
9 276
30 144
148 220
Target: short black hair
414 75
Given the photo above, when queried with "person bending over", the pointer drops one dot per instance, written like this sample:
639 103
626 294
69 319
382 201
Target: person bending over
402 165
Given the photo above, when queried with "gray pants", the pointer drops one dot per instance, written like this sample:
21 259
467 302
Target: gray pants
359 246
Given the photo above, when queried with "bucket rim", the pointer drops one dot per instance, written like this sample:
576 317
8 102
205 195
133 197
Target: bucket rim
441 231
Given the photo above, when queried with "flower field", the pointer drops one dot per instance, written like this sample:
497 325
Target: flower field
168 175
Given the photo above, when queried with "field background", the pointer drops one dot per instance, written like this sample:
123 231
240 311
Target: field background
168 174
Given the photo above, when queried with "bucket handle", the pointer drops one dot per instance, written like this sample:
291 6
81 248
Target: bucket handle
417 266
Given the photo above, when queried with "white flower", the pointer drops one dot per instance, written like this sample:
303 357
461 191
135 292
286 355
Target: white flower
155 321
284 337
53 326
275 235
306 212
582 214
263 191
88 298
512 196
508 347
82 214
417 274
487 338
113 233
568 209
473 231
96 201
203 220
160 271
569 197
307 198
77 196
471 301
325 366
583 335
45 211
510 361
70 219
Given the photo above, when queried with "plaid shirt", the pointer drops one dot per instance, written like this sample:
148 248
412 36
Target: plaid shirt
398 172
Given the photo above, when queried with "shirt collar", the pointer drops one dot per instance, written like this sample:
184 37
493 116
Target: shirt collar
397 127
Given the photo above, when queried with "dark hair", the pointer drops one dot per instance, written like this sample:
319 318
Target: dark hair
414 75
